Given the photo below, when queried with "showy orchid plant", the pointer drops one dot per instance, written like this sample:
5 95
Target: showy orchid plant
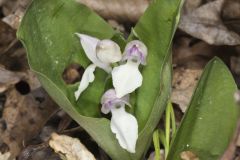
126 79
126 84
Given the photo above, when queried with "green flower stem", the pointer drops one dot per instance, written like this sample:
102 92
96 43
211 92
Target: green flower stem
156 144
167 127
173 120
164 137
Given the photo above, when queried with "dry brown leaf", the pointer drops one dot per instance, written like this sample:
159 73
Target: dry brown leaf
10 6
189 61
191 53
205 23
190 5
70 147
121 10
184 83
31 78
23 117
15 59
231 9
7 79
235 65
7 36
13 11
5 156
14 19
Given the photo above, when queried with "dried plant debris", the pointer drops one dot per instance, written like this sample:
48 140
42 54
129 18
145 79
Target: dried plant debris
7 79
189 59
5 156
121 10
235 64
231 10
190 6
184 83
13 11
7 36
191 52
231 15
205 23
70 148
24 115
14 19
38 152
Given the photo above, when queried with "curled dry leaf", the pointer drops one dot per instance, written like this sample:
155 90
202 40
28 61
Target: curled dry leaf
205 23
70 147
121 10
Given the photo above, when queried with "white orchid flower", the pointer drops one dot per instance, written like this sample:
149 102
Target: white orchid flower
123 124
127 77
102 53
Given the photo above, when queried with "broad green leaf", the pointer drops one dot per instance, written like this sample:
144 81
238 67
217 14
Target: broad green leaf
211 118
47 32
156 29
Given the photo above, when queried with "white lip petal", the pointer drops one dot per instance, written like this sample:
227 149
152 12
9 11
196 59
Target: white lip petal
125 126
87 78
89 45
126 78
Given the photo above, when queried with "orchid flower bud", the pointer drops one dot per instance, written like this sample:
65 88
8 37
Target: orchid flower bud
108 51
102 53
135 51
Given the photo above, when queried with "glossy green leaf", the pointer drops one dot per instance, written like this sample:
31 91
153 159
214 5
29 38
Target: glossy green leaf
47 32
156 29
211 118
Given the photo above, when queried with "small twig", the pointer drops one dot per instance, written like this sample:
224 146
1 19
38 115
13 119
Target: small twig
67 131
